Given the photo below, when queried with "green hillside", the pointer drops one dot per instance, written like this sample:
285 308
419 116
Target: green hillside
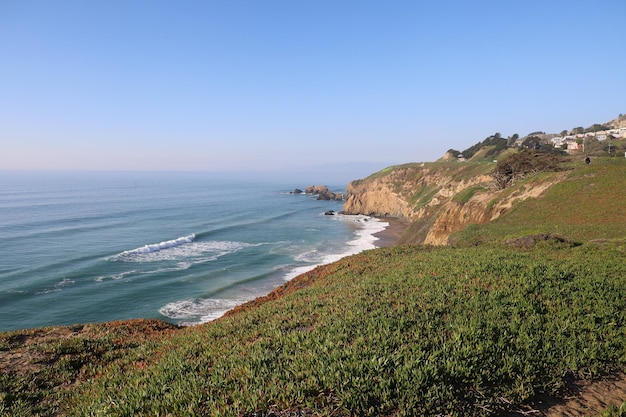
590 203
510 315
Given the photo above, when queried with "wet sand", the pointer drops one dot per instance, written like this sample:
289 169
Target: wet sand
392 233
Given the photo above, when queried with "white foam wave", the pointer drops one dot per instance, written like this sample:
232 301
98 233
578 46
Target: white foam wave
179 266
198 310
155 247
58 287
294 272
364 240
201 310
64 282
312 256
115 276
185 253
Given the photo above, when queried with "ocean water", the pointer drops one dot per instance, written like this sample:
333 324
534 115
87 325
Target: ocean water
182 247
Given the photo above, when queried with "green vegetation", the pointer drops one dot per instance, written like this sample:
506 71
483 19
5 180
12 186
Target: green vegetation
588 204
39 365
385 171
408 179
596 128
465 195
514 310
615 411
489 148
496 145
423 196
609 147
404 330
522 164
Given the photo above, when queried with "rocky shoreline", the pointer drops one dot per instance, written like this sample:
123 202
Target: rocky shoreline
388 237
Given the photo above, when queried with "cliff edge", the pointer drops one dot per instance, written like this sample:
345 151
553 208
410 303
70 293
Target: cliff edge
439 198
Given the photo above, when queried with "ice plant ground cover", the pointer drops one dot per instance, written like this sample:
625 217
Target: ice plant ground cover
403 330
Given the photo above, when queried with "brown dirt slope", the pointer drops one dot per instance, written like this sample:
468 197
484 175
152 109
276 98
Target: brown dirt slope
585 399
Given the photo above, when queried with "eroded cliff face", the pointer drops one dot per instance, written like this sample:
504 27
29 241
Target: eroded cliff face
375 199
438 198
454 217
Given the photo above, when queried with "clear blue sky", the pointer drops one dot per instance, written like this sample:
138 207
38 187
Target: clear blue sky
295 85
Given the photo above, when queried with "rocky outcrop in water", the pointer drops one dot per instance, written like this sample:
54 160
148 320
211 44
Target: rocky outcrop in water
323 193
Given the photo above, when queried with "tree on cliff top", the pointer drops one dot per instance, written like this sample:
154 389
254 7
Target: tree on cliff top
523 164
496 141
453 152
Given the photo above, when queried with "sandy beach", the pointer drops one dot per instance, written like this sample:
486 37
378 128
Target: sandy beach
392 233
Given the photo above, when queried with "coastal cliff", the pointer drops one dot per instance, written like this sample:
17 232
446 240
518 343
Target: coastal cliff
437 198
479 184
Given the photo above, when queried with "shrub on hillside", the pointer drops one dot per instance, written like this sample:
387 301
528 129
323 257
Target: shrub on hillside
522 164
495 141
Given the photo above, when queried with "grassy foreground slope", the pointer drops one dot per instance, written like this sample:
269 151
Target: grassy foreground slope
477 329
405 331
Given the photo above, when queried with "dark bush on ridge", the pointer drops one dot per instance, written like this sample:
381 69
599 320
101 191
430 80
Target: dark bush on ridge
520 165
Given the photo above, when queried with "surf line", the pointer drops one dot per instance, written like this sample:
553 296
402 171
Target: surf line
155 247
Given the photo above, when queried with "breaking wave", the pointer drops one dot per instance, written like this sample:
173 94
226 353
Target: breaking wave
182 250
198 310
155 247
364 239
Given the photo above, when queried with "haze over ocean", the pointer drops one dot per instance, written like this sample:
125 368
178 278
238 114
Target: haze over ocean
183 247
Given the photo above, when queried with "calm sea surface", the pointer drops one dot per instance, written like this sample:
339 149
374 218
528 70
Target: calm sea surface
183 247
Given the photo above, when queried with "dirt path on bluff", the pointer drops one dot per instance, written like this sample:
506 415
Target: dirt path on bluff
590 399
585 399
29 351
